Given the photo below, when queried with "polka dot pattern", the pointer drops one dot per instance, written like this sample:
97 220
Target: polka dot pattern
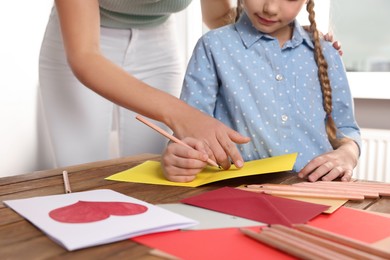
243 78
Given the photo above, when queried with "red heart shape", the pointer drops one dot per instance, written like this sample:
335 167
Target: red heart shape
91 211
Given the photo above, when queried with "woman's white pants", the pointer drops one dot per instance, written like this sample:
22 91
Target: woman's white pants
77 125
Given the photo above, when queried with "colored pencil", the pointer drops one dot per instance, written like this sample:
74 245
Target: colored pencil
307 242
367 188
296 251
293 245
308 189
307 245
357 183
288 190
162 254
343 240
66 182
171 137
311 185
314 195
336 247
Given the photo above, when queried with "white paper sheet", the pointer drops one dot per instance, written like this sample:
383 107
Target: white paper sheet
74 236
209 219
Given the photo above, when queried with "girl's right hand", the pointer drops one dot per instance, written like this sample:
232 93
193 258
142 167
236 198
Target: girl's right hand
182 164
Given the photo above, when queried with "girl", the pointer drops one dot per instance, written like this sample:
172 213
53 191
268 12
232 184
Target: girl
267 78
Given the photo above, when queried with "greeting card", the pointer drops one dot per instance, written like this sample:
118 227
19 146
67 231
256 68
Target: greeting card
84 219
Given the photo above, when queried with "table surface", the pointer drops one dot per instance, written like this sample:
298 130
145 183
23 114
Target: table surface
19 239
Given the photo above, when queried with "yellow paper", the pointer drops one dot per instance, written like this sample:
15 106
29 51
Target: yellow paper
150 172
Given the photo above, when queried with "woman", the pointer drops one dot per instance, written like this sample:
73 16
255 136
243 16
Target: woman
99 61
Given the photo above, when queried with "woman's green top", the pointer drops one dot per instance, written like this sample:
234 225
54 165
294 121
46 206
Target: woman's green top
125 14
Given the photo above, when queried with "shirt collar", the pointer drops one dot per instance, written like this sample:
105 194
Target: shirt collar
249 34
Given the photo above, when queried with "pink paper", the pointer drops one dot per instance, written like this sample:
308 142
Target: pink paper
256 206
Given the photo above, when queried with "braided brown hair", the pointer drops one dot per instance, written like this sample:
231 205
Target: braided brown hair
326 89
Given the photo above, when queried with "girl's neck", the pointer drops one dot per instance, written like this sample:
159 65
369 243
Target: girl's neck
283 34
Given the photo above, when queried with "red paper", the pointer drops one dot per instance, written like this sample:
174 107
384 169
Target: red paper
356 224
225 243
232 244
256 206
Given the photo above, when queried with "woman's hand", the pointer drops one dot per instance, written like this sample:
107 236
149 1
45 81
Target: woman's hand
336 44
219 141
338 163
328 37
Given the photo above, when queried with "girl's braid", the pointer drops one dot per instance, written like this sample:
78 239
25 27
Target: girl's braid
323 77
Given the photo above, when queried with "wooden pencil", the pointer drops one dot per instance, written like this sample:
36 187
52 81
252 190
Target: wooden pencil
170 137
342 249
280 245
331 188
162 254
314 195
367 189
343 240
306 245
308 189
360 183
66 182
382 188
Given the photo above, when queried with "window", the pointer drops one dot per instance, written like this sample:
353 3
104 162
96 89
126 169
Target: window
363 33
361 27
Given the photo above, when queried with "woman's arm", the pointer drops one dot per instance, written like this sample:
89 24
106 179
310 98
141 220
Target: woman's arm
216 13
80 26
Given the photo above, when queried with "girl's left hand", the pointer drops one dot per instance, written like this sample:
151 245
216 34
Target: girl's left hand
338 163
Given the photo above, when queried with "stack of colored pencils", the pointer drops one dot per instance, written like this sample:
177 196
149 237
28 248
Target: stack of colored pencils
308 242
325 189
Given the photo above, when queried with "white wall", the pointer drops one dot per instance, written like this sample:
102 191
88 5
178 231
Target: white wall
22 31
22 24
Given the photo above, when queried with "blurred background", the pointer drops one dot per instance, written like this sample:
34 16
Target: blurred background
361 27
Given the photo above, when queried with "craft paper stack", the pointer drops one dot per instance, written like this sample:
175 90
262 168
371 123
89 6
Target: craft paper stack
84 219
231 243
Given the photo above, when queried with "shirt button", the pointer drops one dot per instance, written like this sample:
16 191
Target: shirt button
284 118
279 77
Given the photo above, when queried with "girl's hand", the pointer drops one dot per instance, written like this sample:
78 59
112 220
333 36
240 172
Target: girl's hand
335 164
180 163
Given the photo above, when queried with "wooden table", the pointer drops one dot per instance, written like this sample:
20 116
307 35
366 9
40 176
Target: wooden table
19 239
